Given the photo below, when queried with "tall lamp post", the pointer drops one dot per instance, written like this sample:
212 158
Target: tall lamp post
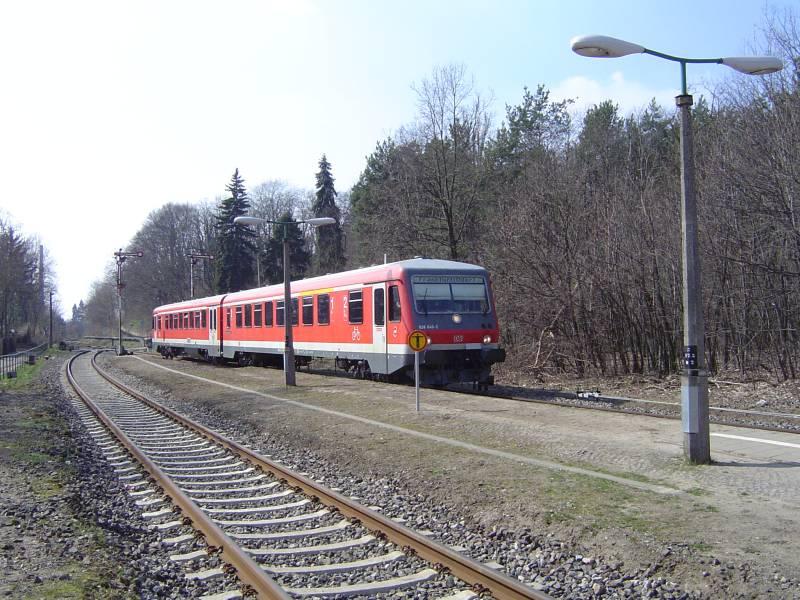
694 378
51 320
193 256
120 256
288 348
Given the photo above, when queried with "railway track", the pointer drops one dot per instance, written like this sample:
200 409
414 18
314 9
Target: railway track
248 526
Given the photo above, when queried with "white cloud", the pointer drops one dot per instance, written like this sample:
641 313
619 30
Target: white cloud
630 96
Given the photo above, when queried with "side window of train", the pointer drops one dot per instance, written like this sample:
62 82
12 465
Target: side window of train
268 314
257 314
379 309
197 319
394 303
295 310
323 309
228 318
279 316
238 316
356 311
248 315
203 318
308 310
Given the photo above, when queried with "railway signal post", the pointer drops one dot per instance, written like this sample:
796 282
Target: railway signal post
120 256
417 341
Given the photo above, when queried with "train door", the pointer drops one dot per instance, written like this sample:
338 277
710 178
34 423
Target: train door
212 329
378 360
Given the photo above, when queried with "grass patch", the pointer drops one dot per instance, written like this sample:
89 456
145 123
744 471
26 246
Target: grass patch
78 583
701 547
696 491
47 487
26 374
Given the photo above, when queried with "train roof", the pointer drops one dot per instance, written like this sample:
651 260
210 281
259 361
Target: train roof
381 272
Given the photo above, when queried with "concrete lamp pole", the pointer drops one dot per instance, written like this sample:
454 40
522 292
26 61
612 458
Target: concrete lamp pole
120 257
694 378
193 257
288 348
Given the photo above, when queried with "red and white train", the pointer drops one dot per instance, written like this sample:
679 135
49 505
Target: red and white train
360 318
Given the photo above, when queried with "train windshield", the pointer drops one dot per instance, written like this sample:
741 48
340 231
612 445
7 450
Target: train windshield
448 294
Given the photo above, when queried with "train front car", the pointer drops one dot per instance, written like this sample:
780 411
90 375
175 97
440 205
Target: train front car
452 303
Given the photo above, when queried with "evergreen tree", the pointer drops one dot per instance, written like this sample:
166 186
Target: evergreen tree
236 246
299 256
329 257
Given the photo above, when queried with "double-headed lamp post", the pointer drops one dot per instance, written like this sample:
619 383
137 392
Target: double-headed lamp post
694 378
288 349
121 256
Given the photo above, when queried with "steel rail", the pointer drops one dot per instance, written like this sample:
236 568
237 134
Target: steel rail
480 576
247 569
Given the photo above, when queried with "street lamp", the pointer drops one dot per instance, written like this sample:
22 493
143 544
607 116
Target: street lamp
120 256
193 256
288 349
694 379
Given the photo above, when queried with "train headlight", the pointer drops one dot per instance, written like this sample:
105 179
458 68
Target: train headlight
487 339
456 318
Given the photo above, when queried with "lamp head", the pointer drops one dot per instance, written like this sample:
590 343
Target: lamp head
248 221
754 65
603 46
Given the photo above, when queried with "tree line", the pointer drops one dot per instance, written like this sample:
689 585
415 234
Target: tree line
243 256
25 283
577 219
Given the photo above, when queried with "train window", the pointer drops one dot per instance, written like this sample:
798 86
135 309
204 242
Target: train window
228 318
394 303
356 310
238 316
446 294
186 320
279 320
308 310
323 309
197 319
257 308
268 314
203 318
248 315
295 310
378 306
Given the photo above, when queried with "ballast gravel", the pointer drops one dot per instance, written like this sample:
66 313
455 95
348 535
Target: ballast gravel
540 561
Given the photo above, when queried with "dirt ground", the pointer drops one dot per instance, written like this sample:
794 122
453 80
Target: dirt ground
725 530
51 545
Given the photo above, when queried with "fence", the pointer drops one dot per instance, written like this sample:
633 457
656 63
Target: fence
10 363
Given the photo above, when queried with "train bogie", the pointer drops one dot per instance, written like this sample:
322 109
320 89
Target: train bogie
360 319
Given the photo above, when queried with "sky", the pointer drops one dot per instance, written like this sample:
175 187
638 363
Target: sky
111 109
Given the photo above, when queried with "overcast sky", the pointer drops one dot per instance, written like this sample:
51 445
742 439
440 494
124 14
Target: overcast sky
111 109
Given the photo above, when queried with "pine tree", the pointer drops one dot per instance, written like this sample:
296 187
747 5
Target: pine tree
236 246
329 257
299 256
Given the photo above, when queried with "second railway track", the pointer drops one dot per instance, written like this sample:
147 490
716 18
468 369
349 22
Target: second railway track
256 527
